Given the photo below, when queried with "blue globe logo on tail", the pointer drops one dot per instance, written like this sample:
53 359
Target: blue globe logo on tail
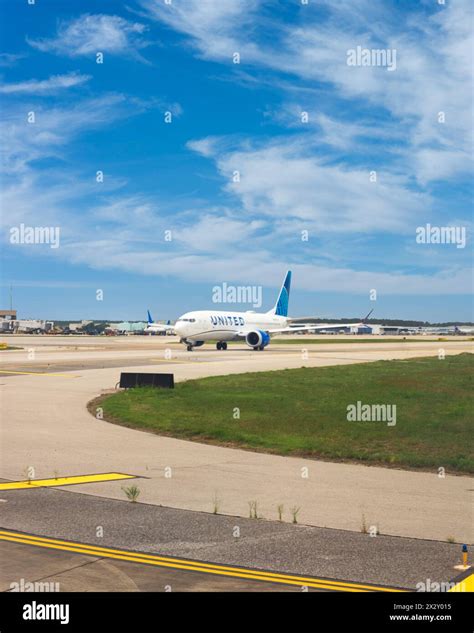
281 308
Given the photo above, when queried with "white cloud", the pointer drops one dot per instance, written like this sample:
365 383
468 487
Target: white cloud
204 146
22 142
339 134
10 59
205 248
433 74
90 34
216 233
259 266
283 182
211 25
45 86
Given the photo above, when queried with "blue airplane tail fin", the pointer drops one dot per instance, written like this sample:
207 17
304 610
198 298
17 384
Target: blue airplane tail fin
281 306
150 320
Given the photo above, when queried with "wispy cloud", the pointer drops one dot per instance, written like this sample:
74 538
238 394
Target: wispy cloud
258 265
10 59
433 74
282 181
45 86
212 26
217 233
337 133
54 127
93 33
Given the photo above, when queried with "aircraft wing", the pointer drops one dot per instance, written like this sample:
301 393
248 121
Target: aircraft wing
327 326
305 328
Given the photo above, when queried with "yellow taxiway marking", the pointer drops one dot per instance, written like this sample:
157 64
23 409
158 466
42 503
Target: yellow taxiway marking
466 584
63 481
188 565
38 373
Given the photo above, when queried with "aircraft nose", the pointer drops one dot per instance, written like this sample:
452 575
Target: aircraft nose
178 328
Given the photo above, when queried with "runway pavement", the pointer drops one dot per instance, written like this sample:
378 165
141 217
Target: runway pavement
46 426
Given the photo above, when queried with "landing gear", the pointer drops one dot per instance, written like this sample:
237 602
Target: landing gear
258 348
189 347
221 345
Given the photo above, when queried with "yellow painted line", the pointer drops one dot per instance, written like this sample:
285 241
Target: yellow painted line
38 373
196 566
466 584
63 481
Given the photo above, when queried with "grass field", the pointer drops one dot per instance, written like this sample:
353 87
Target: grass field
304 412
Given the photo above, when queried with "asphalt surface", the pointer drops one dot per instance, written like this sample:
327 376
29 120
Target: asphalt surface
260 544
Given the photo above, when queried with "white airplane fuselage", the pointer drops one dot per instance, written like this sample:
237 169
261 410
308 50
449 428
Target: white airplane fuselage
465 329
219 325
152 327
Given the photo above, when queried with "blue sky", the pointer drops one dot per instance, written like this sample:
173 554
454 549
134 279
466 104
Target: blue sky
294 175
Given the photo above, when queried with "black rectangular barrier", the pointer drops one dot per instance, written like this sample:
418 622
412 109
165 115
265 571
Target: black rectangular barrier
132 379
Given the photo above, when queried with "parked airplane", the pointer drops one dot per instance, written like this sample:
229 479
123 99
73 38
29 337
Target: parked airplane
463 329
195 328
156 327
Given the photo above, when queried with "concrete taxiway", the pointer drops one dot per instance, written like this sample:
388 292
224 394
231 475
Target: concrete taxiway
46 426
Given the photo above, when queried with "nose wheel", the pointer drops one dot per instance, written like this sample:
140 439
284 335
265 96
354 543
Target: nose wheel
221 345
189 347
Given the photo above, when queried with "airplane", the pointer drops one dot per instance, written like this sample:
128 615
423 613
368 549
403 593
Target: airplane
158 328
256 329
463 329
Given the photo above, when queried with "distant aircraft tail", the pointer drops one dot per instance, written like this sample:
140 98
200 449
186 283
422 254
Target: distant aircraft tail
150 320
365 319
281 306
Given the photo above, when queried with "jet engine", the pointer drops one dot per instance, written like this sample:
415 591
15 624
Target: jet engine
258 339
